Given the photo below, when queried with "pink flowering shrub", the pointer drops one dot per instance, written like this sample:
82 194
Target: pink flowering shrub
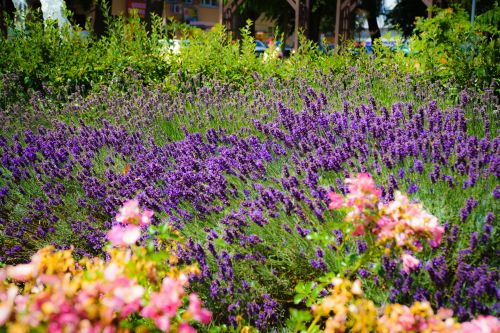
131 219
55 293
398 226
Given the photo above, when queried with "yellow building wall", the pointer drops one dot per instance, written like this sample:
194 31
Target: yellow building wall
208 14
167 12
119 7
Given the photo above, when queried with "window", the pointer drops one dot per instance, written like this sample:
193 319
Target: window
176 9
188 2
210 3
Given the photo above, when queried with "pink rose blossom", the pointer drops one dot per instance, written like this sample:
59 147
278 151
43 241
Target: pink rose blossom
23 272
409 262
202 315
7 304
163 323
437 234
483 324
163 305
124 236
363 183
146 217
129 212
186 328
112 271
336 200
129 294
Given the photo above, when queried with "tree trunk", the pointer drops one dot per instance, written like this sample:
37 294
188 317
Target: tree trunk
3 23
313 29
373 26
153 7
240 20
99 24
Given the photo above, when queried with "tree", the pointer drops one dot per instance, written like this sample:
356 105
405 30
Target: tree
321 14
102 10
153 7
371 9
405 13
3 19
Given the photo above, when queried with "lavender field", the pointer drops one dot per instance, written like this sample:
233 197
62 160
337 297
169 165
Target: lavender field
243 177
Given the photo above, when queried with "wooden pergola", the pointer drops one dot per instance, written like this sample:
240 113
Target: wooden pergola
343 17
300 7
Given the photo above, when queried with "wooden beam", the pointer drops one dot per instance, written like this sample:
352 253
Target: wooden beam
337 24
297 17
232 5
221 12
428 3
296 7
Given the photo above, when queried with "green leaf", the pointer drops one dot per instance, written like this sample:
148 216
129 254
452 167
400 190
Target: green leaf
150 246
152 230
298 298
163 229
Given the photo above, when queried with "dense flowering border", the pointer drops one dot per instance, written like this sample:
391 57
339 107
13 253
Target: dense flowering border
55 293
398 227
346 309
141 289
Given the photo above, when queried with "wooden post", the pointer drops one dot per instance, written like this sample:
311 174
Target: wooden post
221 11
296 7
337 24
228 11
428 3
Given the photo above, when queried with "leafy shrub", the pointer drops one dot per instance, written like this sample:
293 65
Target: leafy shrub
135 289
448 46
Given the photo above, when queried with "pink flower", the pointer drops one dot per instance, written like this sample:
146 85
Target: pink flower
360 230
7 304
124 236
112 271
437 234
202 315
406 320
409 262
122 296
129 294
362 192
163 323
23 272
363 183
336 200
129 212
185 328
356 288
483 324
146 217
163 305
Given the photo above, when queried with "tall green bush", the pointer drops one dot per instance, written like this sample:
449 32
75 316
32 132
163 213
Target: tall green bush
449 46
